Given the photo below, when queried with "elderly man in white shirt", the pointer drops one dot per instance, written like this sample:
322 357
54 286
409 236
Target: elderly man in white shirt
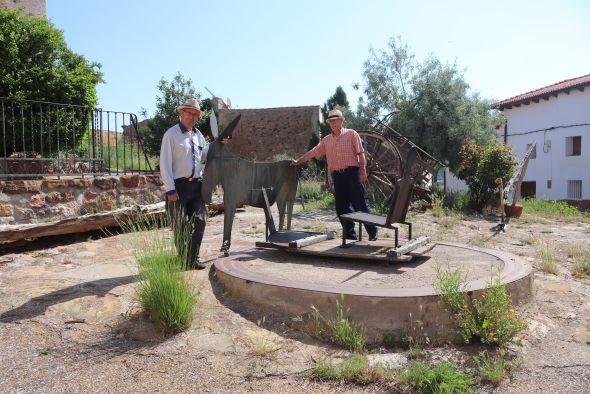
181 155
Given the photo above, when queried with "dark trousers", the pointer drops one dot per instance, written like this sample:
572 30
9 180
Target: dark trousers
187 217
349 194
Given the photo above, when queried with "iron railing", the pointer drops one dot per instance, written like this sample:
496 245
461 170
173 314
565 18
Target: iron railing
39 138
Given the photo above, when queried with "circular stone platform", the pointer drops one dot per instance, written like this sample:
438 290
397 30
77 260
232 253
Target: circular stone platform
384 297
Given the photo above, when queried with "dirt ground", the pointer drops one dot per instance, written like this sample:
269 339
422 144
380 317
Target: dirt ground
70 321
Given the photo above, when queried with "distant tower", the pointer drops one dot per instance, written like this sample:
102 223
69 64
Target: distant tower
36 8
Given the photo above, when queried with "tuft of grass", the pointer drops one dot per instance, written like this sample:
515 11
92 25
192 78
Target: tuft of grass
450 220
490 368
354 369
547 258
345 332
44 351
443 378
582 268
163 292
575 251
262 345
325 370
325 201
437 205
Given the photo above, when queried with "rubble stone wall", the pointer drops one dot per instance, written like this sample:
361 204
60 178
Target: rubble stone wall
37 201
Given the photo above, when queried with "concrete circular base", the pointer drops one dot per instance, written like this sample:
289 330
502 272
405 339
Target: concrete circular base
384 297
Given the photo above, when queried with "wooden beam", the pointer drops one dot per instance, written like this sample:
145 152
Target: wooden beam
80 224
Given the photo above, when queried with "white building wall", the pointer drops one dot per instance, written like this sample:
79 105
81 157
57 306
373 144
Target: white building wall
568 115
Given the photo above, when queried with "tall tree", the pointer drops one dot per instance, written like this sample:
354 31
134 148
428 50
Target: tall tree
171 95
428 101
36 64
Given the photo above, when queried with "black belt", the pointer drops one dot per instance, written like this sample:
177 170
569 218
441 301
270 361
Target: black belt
188 179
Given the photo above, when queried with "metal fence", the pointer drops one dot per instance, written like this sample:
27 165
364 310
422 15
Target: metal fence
39 139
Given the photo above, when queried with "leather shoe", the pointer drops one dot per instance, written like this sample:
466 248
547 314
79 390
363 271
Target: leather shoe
352 237
198 264
373 238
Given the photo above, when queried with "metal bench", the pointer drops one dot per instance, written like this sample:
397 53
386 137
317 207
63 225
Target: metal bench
400 202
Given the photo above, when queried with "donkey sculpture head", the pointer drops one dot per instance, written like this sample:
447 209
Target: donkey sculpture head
243 181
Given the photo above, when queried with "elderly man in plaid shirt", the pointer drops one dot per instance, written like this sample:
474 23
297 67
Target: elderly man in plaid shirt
346 164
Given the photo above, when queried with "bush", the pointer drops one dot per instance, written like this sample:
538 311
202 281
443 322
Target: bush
488 317
480 166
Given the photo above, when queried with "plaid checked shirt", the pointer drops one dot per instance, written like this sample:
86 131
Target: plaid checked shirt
341 151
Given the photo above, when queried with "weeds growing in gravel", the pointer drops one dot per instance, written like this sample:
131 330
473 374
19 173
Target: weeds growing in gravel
488 317
582 268
354 369
547 258
490 368
341 329
442 378
345 332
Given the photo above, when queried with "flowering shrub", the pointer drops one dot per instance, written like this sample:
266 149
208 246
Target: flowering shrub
489 317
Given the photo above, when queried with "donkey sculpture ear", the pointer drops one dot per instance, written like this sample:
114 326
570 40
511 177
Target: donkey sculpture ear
213 124
228 131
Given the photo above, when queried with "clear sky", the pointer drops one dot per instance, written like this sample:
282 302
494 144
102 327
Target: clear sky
275 53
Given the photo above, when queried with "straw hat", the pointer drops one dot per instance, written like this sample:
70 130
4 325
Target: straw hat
191 103
334 114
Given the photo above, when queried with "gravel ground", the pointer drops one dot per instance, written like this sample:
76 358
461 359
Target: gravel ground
70 320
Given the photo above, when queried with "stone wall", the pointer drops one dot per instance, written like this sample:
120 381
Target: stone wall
37 201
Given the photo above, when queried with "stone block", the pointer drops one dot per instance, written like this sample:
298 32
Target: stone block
56 197
90 197
154 179
133 181
20 187
5 210
37 201
106 183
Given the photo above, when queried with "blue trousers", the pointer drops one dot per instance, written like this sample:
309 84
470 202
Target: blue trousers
349 194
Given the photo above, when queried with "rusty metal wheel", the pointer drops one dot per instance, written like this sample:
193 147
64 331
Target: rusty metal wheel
384 169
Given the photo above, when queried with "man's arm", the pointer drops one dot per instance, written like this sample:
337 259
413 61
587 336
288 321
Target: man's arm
316 152
166 168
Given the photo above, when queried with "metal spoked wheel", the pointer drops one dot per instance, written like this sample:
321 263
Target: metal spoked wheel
384 169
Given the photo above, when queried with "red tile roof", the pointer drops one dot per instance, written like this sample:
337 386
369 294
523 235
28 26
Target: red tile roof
545 92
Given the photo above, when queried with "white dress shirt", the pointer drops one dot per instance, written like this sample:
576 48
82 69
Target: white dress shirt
181 155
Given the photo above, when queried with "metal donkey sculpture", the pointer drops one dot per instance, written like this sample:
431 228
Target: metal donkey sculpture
244 182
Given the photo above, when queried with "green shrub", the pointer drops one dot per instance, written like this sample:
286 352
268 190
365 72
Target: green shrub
480 166
552 209
488 317
444 378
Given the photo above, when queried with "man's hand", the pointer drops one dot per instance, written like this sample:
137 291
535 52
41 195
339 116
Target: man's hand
363 177
172 197
294 162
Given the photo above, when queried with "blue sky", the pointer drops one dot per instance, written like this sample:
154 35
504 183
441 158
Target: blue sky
288 53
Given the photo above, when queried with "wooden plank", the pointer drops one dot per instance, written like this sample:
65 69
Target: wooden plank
78 224
312 240
408 247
